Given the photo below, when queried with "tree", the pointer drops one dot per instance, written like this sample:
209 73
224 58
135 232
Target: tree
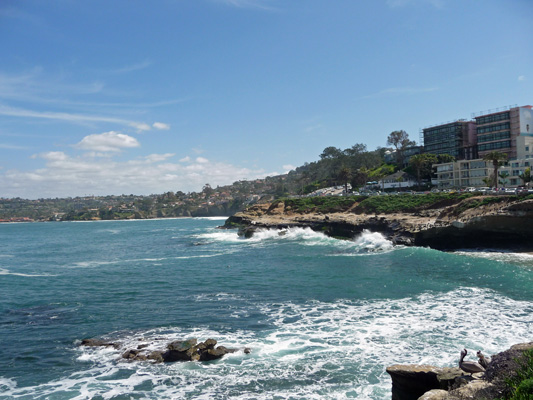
356 149
360 177
331 152
525 176
399 180
400 141
421 164
496 158
345 174
445 158
207 190
503 175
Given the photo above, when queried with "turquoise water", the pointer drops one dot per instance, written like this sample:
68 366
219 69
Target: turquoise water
323 317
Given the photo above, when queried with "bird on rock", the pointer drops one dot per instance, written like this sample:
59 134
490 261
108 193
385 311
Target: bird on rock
483 361
469 366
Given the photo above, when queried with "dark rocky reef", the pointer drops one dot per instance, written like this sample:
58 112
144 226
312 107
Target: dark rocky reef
426 382
505 225
178 350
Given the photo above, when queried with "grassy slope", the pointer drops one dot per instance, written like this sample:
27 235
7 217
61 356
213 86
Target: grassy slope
392 204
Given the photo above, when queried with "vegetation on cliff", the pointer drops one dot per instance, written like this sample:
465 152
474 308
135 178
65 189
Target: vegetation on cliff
402 203
520 384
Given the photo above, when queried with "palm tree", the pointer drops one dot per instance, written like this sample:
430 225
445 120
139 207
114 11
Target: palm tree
399 180
496 157
345 175
525 176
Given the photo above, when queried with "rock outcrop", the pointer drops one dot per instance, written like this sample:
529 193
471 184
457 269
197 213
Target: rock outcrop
426 382
178 350
467 223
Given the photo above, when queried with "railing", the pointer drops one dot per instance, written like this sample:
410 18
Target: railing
494 110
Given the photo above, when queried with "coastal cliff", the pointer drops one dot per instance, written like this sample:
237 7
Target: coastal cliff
442 223
507 376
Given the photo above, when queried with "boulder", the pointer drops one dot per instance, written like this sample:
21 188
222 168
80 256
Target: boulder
98 343
182 350
178 350
435 394
409 382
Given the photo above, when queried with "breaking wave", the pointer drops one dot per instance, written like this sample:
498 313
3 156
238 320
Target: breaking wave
315 350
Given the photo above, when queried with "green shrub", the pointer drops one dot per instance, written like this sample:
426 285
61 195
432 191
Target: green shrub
524 391
521 383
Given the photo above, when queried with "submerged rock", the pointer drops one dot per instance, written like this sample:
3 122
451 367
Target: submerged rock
178 350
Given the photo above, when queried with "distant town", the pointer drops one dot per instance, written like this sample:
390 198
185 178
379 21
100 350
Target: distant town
491 151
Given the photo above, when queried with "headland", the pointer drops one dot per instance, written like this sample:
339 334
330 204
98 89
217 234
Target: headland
442 222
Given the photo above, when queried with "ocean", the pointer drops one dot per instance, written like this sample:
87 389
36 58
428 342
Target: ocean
323 317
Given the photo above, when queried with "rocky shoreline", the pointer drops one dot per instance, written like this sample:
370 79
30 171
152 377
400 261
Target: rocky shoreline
506 224
427 382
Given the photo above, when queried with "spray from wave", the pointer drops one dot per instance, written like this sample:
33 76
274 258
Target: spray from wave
312 350
365 243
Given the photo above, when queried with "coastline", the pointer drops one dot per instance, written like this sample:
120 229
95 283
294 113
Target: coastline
505 225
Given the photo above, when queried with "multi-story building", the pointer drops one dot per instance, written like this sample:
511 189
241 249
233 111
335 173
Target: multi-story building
457 139
477 173
508 131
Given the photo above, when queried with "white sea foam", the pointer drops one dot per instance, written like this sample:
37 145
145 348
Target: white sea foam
365 243
212 218
4 271
316 350
524 259
7 384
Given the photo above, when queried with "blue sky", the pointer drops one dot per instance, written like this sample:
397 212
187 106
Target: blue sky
128 96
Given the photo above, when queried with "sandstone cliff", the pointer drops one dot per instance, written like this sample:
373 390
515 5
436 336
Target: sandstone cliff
470 222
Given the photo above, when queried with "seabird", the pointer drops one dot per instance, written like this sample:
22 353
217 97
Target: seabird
469 366
483 361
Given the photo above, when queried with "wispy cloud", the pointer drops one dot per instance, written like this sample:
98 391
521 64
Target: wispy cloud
521 78
161 126
133 67
257 4
12 147
400 91
74 118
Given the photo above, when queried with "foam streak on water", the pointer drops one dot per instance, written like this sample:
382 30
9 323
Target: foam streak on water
316 350
323 317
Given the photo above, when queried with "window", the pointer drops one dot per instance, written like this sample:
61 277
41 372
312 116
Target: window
487 119
494 136
495 145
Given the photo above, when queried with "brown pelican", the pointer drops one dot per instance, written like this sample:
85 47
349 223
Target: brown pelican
483 361
469 366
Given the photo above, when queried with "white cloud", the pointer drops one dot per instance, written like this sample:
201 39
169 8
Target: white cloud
69 117
108 141
153 158
288 167
63 176
140 126
161 126
52 156
186 159
257 4
521 78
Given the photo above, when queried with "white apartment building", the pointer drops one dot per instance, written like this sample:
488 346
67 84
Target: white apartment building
476 173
